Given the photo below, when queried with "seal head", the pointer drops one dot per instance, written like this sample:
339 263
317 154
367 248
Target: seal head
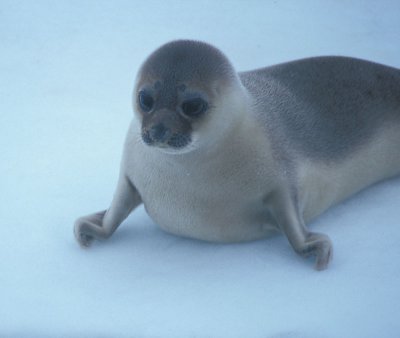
177 92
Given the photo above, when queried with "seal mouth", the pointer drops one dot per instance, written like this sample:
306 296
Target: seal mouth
173 141
179 141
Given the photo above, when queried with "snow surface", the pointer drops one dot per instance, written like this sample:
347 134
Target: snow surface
66 74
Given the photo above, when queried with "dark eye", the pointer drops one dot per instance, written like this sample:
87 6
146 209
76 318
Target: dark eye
194 107
146 101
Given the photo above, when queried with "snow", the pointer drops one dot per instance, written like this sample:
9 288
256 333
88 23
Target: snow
66 74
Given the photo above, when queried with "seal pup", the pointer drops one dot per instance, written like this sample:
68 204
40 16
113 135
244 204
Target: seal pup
224 156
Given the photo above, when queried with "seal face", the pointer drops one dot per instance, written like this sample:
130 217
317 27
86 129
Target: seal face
175 91
169 124
224 156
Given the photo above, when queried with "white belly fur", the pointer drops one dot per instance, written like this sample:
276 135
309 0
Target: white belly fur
227 206
322 185
214 206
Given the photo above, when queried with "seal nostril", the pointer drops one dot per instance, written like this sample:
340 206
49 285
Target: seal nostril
159 132
146 138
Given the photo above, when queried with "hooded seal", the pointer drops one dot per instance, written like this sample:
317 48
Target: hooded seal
224 156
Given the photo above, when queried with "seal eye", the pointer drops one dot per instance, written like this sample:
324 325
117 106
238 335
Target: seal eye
194 107
146 102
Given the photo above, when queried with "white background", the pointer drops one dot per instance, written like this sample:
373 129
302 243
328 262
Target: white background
66 74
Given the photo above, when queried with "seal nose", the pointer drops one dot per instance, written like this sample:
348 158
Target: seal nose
159 133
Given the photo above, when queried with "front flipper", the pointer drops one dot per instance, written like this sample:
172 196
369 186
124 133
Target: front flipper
89 227
304 242
318 245
102 225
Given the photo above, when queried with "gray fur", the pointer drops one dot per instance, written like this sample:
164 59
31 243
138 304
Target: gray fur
182 61
275 148
325 107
